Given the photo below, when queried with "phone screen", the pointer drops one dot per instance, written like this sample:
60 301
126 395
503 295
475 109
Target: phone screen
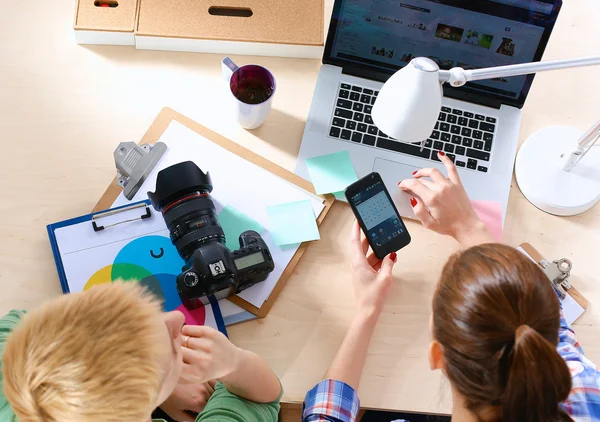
377 215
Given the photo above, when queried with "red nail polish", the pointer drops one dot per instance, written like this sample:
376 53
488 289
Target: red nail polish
441 153
413 202
415 172
393 256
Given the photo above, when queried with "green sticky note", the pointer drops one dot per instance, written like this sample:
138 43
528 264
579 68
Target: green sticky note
235 223
340 196
293 222
332 172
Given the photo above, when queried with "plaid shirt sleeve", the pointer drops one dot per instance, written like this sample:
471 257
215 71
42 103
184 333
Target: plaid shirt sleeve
583 403
331 401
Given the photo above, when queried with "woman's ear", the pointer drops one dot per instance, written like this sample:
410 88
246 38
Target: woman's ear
436 356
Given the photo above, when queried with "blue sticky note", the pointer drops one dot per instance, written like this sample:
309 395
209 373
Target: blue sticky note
332 172
293 222
234 223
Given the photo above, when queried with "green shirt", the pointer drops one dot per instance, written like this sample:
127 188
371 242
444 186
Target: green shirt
7 324
223 406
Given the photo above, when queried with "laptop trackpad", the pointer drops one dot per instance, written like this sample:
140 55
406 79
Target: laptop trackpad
393 173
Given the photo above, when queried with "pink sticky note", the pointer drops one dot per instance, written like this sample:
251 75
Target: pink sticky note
491 215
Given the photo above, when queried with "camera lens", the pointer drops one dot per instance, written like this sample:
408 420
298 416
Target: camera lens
192 221
182 195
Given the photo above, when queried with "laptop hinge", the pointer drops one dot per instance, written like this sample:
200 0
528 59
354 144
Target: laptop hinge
449 92
470 97
361 72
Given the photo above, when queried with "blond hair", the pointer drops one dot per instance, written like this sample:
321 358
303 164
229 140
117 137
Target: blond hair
90 356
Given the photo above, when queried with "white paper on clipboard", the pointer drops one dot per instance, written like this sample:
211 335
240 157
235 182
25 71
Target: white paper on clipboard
245 186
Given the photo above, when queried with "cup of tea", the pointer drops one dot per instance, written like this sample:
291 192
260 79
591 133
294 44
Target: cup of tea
253 88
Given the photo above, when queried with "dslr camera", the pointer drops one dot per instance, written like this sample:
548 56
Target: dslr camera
183 197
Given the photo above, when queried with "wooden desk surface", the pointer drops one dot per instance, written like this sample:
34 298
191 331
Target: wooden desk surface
64 108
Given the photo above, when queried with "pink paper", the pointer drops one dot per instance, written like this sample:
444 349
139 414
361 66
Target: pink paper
491 214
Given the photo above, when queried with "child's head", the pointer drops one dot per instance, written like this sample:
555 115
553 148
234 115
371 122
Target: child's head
107 354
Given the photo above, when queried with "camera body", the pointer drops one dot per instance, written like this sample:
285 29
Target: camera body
216 270
183 196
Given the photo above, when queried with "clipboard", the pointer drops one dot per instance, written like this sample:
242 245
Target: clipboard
100 227
93 219
159 126
538 258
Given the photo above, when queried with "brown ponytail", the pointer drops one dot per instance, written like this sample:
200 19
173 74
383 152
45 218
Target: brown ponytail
538 379
497 318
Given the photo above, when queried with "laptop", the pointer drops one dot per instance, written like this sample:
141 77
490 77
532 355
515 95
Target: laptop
478 124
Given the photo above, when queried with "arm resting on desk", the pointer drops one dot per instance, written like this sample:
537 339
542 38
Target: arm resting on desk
253 380
347 366
334 399
209 355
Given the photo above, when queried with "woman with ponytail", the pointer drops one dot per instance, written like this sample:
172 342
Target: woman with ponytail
497 328
496 324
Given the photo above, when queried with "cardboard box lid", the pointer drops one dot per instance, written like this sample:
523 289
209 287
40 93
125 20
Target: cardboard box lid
273 21
121 18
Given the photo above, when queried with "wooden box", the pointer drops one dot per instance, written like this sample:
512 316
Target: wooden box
286 28
109 22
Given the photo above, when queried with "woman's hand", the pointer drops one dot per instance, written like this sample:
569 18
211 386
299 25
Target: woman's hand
207 355
371 276
443 206
372 279
188 397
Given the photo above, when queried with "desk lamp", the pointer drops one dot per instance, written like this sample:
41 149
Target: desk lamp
555 171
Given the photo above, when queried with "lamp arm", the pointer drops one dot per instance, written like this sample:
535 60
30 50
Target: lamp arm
527 68
445 75
458 76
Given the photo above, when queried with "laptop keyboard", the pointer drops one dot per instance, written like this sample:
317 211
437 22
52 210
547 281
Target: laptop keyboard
465 137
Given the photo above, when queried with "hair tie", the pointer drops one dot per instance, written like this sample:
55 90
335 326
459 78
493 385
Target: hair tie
520 332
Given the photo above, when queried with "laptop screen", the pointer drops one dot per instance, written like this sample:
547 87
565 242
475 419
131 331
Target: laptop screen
384 35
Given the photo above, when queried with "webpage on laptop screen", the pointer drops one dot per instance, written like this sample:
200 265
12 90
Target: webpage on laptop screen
389 33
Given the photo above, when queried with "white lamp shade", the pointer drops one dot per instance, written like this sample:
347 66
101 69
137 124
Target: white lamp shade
409 103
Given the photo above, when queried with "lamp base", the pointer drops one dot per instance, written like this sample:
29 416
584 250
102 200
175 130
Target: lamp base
543 182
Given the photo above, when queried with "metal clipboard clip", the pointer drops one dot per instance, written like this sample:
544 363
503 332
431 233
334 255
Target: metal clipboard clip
147 214
135 163
558 272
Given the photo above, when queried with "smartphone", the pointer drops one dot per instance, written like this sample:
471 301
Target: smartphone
377 215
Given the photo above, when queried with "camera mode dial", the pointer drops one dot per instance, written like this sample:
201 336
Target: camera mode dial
191 279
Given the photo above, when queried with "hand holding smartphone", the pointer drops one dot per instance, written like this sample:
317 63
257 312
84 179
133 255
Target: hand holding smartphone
377 215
